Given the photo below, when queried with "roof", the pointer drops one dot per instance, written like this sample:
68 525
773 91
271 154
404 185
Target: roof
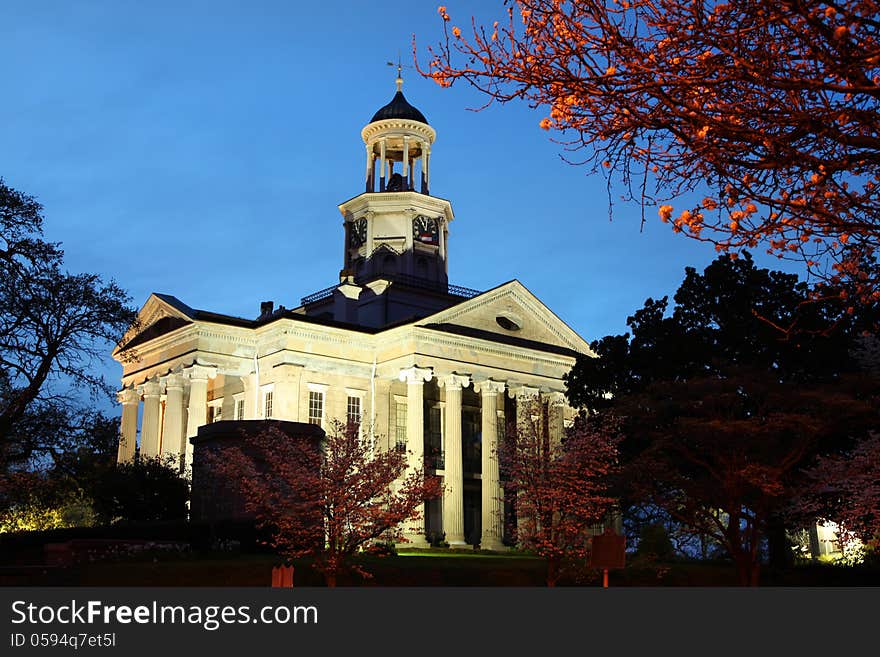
399 108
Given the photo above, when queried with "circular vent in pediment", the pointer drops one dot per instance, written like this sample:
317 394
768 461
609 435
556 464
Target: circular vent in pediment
508 322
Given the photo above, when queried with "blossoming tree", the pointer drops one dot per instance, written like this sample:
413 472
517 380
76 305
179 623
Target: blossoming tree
769 111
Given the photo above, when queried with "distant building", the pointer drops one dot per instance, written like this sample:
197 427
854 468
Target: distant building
420 362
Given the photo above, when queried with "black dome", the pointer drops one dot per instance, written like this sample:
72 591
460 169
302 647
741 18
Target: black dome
399 108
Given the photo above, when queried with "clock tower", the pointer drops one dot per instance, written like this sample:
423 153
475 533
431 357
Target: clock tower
396 235
396 229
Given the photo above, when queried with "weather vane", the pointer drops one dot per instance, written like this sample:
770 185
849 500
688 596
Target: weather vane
400 68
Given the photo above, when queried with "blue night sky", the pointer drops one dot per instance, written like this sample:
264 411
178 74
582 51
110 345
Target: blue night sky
200 149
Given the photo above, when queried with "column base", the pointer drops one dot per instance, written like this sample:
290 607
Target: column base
458 543
493 544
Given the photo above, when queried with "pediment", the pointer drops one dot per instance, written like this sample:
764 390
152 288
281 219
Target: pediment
161 314
512 312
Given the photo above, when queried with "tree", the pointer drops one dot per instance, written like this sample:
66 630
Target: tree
724 456
54 325
769 109
58 456
560 488
847 491
722 412
143 490
329 500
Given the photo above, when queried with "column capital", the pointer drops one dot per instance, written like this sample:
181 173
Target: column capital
454 381
415 375
150 389
128 396
173 381
490 387
555 398
195 371
519 390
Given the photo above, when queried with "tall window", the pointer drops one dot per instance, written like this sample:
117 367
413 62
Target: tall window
316 407
400 425
267 403
353 414
435 438
471 437
239 409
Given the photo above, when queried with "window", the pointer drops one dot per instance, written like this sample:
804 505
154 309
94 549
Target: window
239 409
215 411
471 438
400 426
316 407
353 414
435 438
267 403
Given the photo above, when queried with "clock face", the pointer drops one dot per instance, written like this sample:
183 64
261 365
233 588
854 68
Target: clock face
426 230
358 233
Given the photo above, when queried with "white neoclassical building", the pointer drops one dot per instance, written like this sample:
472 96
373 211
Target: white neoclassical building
419 362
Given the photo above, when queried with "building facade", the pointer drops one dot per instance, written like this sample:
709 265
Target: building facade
419 362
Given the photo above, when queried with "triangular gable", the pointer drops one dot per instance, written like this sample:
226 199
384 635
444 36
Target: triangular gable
160 314
512 311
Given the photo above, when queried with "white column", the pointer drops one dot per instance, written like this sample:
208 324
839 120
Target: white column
415 378
424 176
405 171
453 494
427 166
172 430
556 416
129 399
197 411
382 165
492 505
151 391
526 399
526 405
369 168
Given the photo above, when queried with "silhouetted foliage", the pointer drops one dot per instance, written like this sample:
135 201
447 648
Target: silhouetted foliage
54 325
721 411
147 488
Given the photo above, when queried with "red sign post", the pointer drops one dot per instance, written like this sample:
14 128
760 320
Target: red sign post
608 550
282 577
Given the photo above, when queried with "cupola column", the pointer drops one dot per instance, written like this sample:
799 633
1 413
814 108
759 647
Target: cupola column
370 167
424 172
382 165
405 171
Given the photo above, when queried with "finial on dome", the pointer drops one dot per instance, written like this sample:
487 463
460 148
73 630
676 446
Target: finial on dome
399 80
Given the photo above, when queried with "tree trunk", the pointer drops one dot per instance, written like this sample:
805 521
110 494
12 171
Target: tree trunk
780 554
552 572
748 570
